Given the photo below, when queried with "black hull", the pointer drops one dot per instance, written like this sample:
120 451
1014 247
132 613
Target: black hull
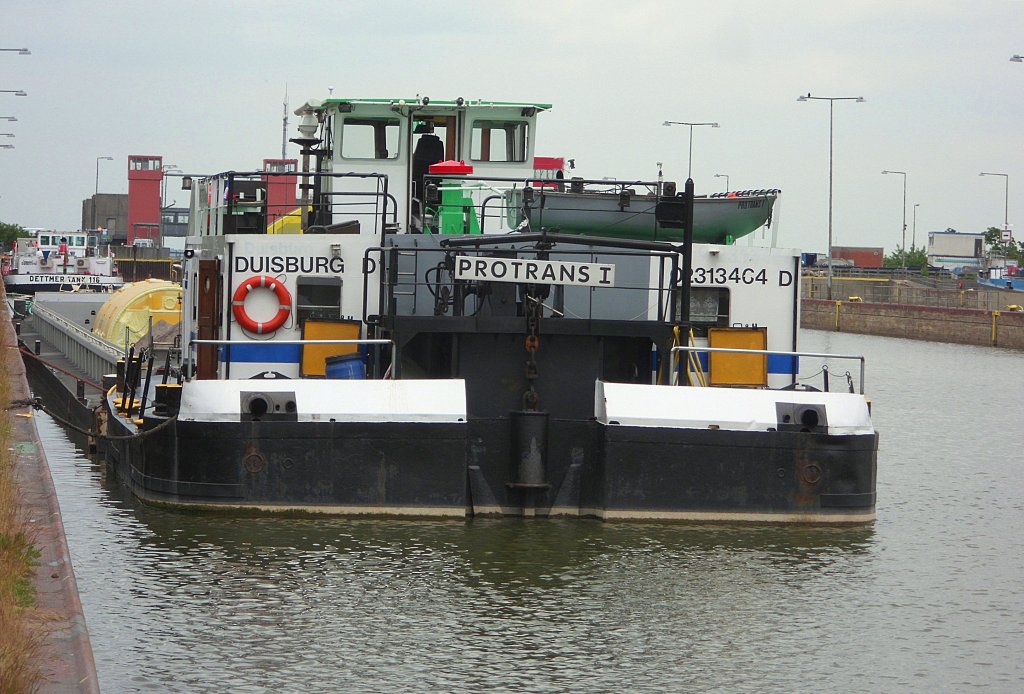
590 470
464 469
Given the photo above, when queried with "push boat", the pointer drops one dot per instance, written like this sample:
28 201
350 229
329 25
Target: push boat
427 346
56 261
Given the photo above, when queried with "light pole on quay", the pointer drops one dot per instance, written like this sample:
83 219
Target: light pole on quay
97 191
903 247
831 104
913 236
726 177
1006 203
689 165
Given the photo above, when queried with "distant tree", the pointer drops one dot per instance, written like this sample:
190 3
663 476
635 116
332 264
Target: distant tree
998 247
916 258
9 232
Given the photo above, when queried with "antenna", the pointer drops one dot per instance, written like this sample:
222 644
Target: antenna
284 125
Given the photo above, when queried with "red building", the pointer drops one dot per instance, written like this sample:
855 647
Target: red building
145 176
860 256
280 187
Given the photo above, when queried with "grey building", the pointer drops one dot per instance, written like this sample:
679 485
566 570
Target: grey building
107 211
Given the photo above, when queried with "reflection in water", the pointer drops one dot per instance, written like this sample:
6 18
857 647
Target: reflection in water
184 602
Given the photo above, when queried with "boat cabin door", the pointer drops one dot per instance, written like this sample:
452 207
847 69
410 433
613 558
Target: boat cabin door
208 299
435 138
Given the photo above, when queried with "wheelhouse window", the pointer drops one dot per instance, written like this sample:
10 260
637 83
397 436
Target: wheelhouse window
709 308
369 138
499 140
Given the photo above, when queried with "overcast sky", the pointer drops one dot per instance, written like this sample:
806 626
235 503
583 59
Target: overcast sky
203 83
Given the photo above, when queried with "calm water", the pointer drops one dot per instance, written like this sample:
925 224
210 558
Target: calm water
929 598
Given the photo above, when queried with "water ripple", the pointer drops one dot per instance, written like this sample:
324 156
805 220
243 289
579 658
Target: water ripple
929 598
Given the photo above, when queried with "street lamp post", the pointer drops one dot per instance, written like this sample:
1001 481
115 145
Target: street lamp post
913 235
903 248
1006 203
831 103
689 166
97 191
726 177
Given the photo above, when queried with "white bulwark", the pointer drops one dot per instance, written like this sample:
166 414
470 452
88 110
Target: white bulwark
539 271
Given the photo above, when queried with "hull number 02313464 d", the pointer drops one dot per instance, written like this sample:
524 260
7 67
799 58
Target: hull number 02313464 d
737 275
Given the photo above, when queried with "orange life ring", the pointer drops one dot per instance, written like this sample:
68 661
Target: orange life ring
284 300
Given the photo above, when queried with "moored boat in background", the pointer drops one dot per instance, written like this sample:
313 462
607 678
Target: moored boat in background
54 261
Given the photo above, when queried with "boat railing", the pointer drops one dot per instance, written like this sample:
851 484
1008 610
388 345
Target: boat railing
425 281
783 353
371 342
246 204
518 201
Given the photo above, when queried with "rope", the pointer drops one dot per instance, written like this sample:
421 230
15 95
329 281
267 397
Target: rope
693 361
37 404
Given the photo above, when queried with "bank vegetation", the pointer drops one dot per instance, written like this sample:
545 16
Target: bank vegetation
22 627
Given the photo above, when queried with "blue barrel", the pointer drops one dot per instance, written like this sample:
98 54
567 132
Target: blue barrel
346 366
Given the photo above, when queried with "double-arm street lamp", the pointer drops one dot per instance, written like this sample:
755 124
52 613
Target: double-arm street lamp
689 166
831 103
1006 204
166 169
903 248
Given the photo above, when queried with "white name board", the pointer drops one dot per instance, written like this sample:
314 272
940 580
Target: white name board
534 271
65 279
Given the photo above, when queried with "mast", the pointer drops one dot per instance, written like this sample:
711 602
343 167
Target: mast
284 125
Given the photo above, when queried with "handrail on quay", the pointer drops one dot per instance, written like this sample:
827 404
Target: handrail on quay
734 350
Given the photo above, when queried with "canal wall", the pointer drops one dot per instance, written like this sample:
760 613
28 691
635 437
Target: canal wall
969 326
66 658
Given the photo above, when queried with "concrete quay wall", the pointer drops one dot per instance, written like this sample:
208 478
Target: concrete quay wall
938 324
66 659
